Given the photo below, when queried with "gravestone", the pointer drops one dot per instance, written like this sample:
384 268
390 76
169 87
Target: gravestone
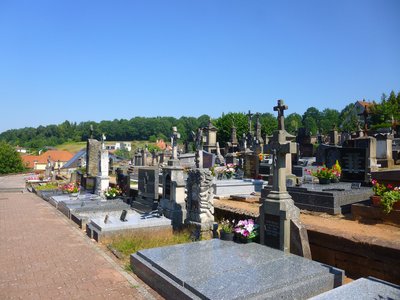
306 148
172 204
278 210
102 179
333 137
251 165
384 150
199 199
368 143
148 187
93 148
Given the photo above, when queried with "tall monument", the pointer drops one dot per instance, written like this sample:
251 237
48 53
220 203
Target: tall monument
279 217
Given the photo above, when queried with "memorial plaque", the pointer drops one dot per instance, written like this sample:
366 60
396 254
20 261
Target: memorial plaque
356 185
272 231
123 216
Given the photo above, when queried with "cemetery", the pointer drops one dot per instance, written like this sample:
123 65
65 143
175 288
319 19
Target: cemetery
274 206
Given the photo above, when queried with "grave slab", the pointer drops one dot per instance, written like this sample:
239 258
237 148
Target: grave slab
217 269
237 186
369 288
134 222
334 198
71 207
56 200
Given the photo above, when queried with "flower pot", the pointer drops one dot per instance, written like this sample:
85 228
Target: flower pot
396 205
226 236
376 200
243 240
73 195
324 180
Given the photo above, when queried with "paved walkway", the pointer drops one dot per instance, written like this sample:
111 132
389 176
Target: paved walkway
43 256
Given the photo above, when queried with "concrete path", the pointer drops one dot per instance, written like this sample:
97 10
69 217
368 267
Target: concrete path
44 256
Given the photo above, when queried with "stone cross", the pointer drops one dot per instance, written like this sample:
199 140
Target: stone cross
174 142
280 108
91 131
249 116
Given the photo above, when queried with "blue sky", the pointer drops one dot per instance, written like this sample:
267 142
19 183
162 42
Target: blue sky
104 60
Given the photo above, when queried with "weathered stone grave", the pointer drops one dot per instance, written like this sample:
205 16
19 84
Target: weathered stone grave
199 199
128 222
384 150
172 204
279 217
217 269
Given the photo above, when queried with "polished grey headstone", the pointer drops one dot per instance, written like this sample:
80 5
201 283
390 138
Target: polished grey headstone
218 269
364 288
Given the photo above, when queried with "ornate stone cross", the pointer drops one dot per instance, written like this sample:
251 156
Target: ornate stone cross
280 108
249 116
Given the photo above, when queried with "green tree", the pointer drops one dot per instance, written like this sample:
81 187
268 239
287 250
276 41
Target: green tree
225 123
269 123
293 123
311 120
329 119
10 159
348 118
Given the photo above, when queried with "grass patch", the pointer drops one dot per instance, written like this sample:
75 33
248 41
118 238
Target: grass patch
128 244
73 147
47 186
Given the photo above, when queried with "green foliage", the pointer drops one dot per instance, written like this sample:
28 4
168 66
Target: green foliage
293 123
311 120
224 125
389 199
269 123
10 159
123 153
349 118
387 110
329 119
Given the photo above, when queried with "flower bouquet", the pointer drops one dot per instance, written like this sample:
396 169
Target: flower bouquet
71 188
229 171
323 174
112 192
246 231
336 172
390 199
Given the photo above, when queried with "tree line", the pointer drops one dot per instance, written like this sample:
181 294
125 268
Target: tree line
141 128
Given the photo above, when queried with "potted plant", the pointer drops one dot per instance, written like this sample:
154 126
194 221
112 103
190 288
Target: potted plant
245 231
229 171
71 188
226 232
379 190
323 174
112 192
391 200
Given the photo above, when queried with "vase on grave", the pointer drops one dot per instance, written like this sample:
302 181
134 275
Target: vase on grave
226 236
376 200
74 196
324 180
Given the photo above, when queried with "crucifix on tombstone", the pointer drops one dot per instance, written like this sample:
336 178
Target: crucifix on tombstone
174 142
280 108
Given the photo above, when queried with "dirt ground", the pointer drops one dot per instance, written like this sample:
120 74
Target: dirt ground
339 224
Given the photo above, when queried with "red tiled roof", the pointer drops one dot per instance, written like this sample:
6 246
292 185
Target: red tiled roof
54 155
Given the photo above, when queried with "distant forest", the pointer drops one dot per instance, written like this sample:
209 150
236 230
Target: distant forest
151 129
